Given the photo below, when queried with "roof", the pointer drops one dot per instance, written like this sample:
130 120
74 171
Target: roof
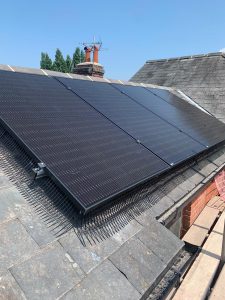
35 264
201 77
132 254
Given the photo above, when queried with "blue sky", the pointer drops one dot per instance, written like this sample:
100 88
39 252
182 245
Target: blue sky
132 31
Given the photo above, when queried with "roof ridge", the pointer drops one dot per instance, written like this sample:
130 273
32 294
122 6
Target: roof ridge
188 57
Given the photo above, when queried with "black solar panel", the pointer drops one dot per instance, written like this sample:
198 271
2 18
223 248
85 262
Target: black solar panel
162 138
201 126
89 155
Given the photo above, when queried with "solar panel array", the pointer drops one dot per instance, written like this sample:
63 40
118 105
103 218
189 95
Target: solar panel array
99 139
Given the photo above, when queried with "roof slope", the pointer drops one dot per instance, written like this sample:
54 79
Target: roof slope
201 77
35 264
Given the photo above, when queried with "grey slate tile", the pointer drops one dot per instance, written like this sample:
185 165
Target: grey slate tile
140 265
160 241
15 244
105 248
9 288
37 229
92 255
161 207
5 68
13 205
86 258
193 176
127 232
4 181
10 201
105 282
173 191
217 158
27 70
47 275
205 167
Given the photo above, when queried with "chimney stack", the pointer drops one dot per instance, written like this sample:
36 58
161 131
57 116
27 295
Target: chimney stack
90 68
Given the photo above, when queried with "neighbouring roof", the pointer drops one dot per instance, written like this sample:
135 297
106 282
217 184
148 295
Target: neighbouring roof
36 263
201 77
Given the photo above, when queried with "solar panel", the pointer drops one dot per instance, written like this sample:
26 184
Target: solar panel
86 153
160 137
201 126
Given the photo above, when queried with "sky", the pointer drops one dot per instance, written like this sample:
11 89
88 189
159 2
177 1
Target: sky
131 31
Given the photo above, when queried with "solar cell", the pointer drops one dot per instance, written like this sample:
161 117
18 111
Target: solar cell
162 138
90 156
201 126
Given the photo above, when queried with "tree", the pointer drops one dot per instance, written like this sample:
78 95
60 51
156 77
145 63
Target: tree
82 56
43 60
76 57
46 62
68 64
59 63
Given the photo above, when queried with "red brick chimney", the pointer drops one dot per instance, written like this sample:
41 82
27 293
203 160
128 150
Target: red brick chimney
88 67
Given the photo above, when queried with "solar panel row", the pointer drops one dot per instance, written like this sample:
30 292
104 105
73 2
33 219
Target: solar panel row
91 156
99 139
160 137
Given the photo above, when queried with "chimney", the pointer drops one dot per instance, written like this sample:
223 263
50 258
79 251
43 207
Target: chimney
90 68
95 55
87 53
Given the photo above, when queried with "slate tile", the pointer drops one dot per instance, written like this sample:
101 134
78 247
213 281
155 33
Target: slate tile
86 258
162 206
173 191
160 241
47 275
10 201
37 229
205 167
127 232
217 158
104 248
15 244
9 289
140 265
193 176
146 217
105 282
4 181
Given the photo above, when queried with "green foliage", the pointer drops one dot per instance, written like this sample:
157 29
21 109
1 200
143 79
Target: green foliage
46 62
59 63
68 64
82 56
76 57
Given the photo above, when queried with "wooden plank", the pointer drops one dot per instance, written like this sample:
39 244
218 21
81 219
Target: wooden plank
196 284
218 292
218 203
199 230
213 200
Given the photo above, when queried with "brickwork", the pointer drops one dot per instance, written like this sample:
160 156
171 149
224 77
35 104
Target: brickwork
195 207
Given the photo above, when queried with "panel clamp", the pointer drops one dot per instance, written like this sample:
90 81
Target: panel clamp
39 171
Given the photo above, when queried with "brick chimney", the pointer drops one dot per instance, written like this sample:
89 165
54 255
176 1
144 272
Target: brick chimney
90 68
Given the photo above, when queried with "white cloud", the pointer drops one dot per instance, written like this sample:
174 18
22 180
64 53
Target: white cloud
222 50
